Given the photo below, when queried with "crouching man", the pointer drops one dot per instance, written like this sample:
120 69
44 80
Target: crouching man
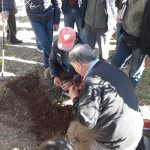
59 69
107 104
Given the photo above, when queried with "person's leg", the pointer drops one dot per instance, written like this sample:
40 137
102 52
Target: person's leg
121 56
11 22
90 36
137 66
49 31
78 21
39 47
69 18
118 31
44 34
11 30
100 38
105 48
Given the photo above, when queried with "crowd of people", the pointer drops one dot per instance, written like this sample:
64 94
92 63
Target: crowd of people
104 98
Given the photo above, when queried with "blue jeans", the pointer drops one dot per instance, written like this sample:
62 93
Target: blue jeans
38 45
71 17
118 31
137 61
44 35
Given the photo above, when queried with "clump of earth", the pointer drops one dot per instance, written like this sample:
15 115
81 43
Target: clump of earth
31 112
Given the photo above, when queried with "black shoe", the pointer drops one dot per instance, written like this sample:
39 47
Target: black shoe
15 41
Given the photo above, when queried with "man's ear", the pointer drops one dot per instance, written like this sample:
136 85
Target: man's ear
78 65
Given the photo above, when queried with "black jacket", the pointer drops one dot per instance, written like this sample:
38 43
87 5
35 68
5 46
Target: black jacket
108 106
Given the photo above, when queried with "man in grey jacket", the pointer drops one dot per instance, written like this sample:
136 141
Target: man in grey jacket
107 104
100 16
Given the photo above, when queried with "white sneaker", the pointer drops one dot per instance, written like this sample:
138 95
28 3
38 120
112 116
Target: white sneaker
40 50
67 102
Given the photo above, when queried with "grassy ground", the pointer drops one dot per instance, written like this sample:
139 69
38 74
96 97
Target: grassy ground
143 88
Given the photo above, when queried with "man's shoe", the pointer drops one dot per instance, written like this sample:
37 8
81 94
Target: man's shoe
15 41
40 50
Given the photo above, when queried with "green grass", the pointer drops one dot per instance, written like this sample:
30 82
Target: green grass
143 88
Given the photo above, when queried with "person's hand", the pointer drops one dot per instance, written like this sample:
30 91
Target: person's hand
4 16
147 61
57 81
66 86
55 27
73 92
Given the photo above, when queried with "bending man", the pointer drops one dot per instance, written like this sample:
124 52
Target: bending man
107 104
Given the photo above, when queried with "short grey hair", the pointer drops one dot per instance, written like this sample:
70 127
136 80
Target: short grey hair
82 53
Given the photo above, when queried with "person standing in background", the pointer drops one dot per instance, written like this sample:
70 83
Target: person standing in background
44 17
100 20
129 42
8 12
72 15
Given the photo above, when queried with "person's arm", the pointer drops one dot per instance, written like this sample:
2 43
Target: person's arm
119 3
147 60
86 106
53 63
57 11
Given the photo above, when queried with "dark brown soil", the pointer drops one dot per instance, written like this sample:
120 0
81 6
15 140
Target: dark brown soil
30 112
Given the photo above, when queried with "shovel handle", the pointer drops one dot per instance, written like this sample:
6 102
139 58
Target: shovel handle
3 41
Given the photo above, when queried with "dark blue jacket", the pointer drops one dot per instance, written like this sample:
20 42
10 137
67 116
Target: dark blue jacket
6 5
43 10
9 5
39 9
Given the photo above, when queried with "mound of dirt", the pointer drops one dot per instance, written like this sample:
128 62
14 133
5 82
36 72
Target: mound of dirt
30 112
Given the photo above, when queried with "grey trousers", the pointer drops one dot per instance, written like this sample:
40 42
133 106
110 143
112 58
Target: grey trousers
101 36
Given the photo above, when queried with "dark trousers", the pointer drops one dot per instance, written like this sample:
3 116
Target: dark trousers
11 27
